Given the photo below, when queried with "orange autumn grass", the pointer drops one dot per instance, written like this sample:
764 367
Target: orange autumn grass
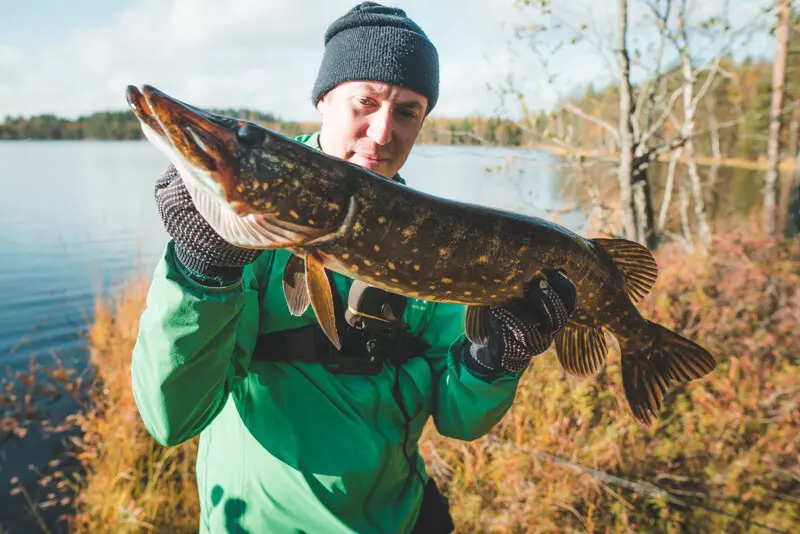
728 442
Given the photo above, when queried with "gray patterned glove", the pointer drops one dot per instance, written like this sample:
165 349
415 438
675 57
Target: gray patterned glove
209 259
526 327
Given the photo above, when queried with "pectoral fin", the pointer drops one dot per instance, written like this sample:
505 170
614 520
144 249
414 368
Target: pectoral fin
319 291
581 349
477 324
294 285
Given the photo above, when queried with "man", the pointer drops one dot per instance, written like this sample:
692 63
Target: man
295 435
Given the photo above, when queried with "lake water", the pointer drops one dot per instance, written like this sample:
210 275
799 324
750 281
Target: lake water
78 218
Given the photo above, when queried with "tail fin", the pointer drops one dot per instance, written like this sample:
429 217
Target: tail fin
648 372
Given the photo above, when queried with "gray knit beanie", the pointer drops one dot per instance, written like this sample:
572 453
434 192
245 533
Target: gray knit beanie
372 42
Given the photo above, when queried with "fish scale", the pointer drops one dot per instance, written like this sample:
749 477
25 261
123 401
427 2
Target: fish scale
269 191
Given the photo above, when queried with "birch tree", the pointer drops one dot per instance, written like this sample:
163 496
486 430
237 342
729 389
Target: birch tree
770 215
646 126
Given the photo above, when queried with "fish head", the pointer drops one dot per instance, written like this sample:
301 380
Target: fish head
256 187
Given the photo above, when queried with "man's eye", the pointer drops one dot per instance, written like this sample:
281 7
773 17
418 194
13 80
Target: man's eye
407 113
364 101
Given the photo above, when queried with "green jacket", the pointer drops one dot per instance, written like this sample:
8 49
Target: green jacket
288 447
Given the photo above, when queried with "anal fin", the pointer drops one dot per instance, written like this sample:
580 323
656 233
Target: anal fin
581 349
319 291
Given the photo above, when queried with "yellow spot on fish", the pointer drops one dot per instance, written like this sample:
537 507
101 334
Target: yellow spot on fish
522 250
296 183
377 248
289 165
395 280
367 262
443 251
264 185
381 220
335 207
483 277
583 317
498 281
311 222
377 273
591 295
516 286
267 204
414 250
323 181
357 227
432 286
447 280
414 282
608 303
240 188
483 259
346 255
294 214
392 266
467 293
254 184
416 267
448 292
354 268
494 296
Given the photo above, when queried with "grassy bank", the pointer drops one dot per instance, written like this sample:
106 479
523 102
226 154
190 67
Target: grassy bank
725 448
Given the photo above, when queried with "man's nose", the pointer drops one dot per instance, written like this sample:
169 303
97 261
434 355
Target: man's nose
380 127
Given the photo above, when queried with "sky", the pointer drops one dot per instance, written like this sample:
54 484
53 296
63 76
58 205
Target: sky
76 57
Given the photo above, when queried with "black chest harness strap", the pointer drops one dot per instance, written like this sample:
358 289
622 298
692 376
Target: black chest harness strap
371 330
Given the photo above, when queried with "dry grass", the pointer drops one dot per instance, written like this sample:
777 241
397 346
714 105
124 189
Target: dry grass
132 484
727 443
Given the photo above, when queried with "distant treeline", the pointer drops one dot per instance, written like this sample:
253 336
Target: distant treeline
123 125
736 119
118 125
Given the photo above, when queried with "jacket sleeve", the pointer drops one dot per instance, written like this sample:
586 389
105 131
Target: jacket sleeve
466 405
193 347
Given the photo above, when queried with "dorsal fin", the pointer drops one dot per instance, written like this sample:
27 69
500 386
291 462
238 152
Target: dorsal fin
635 263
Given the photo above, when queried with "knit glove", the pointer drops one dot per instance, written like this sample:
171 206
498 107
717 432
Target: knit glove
524 327
209 259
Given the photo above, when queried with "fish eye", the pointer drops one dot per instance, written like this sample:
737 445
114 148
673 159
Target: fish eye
251 135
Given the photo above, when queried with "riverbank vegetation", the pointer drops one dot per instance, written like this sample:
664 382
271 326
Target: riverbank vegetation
568 456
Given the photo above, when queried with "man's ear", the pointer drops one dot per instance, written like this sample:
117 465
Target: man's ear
322 105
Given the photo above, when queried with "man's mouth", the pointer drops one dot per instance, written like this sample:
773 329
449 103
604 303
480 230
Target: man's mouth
370 157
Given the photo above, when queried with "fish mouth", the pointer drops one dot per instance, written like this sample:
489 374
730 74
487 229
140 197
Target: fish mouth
204 141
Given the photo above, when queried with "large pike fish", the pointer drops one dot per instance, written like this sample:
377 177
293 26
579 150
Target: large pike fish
259 189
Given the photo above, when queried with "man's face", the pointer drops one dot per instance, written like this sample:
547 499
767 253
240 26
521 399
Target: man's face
371 124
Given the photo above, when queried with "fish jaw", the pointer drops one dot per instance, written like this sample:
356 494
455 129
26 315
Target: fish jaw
201 145
238 185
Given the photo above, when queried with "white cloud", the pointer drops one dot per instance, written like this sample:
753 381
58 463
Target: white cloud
263 54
